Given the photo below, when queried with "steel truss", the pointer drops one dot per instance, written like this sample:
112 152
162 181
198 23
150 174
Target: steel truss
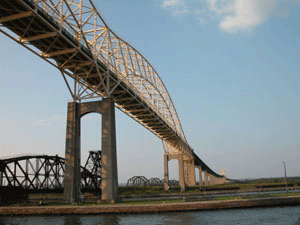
72 36
138 181
41 172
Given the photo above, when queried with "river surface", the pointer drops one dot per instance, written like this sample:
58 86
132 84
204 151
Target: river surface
260 216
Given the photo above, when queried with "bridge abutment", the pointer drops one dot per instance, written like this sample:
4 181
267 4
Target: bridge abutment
109 171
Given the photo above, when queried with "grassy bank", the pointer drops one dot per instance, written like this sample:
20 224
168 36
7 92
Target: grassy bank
241 187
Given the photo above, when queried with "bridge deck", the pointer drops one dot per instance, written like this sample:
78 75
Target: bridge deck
51 41
44 34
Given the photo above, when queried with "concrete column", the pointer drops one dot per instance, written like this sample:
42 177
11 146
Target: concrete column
72 157
219 180
109 173
181 172
200 176
191 173
109 169
205 178
166 172
186 172
223 180
212 178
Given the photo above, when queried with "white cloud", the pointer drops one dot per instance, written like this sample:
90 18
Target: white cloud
171 3
178 7
232 16
241 15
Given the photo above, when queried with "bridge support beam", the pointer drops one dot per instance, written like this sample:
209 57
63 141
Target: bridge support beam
200 176
186 172
206 178
212 179
181 172
166 172
181 176
72 157
191 176
109 173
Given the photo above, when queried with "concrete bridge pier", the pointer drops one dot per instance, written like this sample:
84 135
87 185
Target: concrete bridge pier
166 172
213 179
181 171
191 176
200 176
109 173
206 178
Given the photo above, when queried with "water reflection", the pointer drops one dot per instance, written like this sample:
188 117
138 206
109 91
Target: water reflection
72 220
110 220
262 216
92 220
179 218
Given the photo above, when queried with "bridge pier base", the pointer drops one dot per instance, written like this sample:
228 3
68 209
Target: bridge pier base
109 171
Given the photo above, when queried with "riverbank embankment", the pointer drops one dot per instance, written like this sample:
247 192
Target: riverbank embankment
148 208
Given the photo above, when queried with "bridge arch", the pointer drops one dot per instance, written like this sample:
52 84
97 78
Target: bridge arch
72 36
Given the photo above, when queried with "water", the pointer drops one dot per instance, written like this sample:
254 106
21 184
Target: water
260 216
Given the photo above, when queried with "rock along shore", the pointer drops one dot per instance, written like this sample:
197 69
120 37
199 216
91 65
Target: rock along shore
149 208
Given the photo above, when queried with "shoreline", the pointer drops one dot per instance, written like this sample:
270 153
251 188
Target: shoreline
148 208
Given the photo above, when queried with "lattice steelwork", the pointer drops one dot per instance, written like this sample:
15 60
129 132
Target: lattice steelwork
156 182
41 172
138 181
72 36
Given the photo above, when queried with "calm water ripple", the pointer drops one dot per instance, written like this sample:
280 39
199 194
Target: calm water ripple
261 216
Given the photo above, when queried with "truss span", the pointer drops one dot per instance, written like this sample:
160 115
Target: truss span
72 36
42 172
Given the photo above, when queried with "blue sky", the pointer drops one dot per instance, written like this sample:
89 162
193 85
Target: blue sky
231 67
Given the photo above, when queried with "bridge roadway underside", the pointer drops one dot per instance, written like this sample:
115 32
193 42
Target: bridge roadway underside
47 38
35 28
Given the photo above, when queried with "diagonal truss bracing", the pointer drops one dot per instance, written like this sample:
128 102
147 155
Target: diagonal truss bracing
72 36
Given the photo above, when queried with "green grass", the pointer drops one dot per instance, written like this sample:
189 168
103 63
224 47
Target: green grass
150 202
258 196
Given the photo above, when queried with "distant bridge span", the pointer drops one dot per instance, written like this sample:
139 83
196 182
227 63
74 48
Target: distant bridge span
72 36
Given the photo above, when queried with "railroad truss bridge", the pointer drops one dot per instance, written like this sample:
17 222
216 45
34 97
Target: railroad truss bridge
44 173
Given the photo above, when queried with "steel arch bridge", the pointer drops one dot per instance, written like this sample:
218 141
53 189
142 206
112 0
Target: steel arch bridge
95 62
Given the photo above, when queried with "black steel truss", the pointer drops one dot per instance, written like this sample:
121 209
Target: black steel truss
43 172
